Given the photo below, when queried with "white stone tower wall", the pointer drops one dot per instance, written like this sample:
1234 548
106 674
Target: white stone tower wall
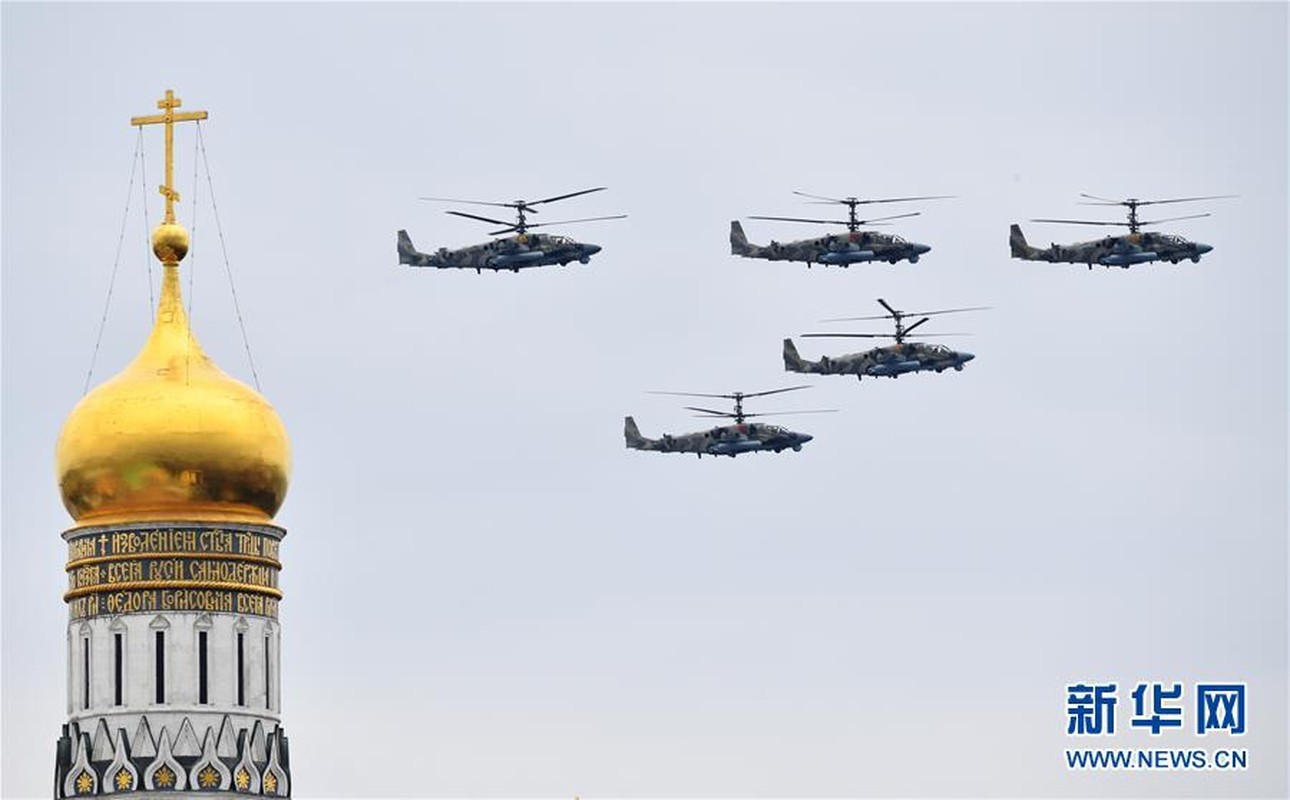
181 678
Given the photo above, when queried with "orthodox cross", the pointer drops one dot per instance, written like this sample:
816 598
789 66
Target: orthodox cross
168 117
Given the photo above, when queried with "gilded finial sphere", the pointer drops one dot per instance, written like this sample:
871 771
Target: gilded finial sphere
170 242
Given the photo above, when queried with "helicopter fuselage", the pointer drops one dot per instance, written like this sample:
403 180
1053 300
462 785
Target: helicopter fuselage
1124 250
890 361
723 440
509 253
840 249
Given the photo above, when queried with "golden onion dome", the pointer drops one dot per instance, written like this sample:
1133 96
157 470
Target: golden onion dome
172 437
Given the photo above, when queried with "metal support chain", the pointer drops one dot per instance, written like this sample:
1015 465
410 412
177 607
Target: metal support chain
116 262
246 343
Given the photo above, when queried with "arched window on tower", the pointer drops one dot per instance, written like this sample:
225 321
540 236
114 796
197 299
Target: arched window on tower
240 627
159 679
203 697
118 667
85 671
203 659
272 649
118 631
268 675
159 626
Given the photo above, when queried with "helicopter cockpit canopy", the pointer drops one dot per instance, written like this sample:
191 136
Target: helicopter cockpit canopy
755 428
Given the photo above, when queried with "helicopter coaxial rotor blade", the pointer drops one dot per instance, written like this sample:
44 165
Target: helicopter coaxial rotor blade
1186 199
1100 200
733 395
854 201
691 394
710 411
800 219
566 196
857 319
893 216
1080 222
773 391
471 202
477 217
525 204
572 221
873 221
1133 201
879 335
907 313
1172 219
915 325
947 311
729 415
819 197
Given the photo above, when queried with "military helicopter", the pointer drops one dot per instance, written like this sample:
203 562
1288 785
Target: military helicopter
842 249
513 252
1124 250
725 440
891 361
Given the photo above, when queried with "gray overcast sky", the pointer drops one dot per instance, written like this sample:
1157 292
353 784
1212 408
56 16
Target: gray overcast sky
485 592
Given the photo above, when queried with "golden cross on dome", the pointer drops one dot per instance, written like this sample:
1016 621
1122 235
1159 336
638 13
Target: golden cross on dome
168 117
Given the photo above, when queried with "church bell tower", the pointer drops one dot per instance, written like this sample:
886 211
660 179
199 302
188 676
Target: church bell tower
173 471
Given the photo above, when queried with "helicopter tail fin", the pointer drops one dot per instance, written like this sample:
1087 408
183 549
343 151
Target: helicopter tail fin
1017 243
407 252
738 241
633 434
792 361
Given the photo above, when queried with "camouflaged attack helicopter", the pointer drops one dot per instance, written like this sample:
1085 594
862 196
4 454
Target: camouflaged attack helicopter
890 361
1124 250
725 440
840 249
513 252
